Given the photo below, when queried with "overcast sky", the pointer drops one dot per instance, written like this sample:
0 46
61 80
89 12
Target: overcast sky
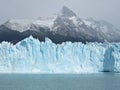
108 10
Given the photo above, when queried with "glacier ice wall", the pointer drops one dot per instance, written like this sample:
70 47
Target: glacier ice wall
32 56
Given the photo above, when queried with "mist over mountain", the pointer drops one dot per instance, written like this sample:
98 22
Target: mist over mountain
65 26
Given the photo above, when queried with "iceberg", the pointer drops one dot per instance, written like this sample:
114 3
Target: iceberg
32 56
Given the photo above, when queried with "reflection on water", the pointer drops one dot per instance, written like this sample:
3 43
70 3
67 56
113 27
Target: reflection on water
100 81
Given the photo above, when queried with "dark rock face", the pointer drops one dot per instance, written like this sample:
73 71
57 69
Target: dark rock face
66 12
15 36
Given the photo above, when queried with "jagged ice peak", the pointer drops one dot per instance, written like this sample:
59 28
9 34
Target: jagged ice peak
32 56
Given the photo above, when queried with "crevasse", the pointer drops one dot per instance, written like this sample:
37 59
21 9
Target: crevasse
32 56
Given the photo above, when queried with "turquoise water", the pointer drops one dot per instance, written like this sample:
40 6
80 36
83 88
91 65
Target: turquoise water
100 81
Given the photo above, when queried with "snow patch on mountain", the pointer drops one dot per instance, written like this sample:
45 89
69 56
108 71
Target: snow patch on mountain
22 25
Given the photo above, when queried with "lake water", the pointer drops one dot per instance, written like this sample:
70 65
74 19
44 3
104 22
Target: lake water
100 81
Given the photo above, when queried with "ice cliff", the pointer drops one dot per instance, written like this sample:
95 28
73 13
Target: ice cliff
32 56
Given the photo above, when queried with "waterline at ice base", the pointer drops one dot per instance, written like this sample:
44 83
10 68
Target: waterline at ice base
32 56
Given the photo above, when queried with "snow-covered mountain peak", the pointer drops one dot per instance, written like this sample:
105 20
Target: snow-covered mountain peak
18 24
66 12
22 25
65 26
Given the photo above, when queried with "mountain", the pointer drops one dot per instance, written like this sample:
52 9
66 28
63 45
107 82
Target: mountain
32 56
66 26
